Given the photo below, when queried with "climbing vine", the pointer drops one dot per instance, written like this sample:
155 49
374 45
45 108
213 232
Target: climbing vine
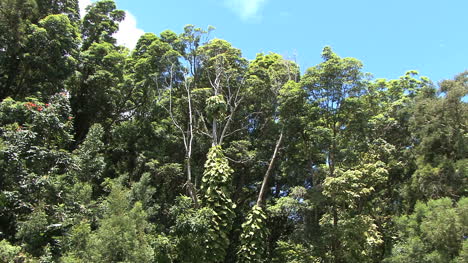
215 188
253 237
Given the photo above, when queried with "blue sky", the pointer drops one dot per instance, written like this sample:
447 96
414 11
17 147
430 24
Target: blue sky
389 37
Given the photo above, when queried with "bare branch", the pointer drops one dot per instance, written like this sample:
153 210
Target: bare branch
228 123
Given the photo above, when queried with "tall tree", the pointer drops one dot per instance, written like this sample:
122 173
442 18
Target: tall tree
39 48
439 125
100 23
432 233
267 76
332 87
96 93
223 72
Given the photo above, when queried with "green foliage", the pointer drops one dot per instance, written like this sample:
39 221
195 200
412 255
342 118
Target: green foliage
216 107
49 68
143 191
291 98
151 59
8 252
216 196
77 242
120 237
267 75
103 177
351 186
38 47
463 253
97 93
188 233
89 156
100 81
221 58
359 235
32 232
36 136
254 236
440 127
100 23
293 253
433 233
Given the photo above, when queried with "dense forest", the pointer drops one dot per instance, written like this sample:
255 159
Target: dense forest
181 150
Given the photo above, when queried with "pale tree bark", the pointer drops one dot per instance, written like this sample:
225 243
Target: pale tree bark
190 187
266 177
187 134
222 85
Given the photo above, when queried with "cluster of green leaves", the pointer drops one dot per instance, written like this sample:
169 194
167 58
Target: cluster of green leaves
216 107
39 49
254 236
35 158
216 195
434 232
120 236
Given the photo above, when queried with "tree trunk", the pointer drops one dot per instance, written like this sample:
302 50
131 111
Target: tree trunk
190 187
262 194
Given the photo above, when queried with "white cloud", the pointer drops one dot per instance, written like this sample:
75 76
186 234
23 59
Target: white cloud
246 9
83 4
128 33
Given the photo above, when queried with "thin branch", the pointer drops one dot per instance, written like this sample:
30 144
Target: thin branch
228 123
205 132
